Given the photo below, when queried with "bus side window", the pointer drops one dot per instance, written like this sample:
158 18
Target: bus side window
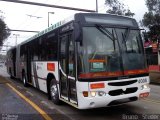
63 47
63 52
71 56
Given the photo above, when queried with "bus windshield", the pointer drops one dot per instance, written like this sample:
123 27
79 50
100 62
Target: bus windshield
110 50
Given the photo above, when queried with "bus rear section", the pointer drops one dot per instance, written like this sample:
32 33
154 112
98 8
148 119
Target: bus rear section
111 62
11 62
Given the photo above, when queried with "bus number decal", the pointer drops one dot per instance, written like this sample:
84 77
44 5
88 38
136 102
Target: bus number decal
143 80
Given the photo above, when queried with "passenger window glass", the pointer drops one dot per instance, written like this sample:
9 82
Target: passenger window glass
71 56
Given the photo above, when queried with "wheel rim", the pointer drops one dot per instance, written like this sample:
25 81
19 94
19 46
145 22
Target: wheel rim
53 91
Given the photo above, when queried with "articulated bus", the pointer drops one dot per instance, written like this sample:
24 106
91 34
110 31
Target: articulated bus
91 60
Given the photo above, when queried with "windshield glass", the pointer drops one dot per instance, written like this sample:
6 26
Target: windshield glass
132 49
110 50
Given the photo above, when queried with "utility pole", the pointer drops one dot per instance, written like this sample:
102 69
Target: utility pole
48 16
16 38
97 6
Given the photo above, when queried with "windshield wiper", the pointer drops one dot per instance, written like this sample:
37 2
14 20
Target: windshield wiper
126 35
125 39
105 31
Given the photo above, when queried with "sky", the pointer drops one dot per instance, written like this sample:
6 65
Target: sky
16 15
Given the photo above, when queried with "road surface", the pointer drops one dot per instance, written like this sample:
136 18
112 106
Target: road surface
12 103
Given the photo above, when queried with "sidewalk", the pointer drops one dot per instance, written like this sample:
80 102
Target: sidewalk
3 80
154 76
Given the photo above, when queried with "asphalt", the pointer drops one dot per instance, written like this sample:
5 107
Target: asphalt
14 107
155 77
3 80
145 109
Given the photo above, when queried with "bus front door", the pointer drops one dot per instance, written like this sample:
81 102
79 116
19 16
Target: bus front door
67 69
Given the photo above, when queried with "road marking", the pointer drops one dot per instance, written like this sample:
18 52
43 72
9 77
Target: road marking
152 101
19 87
46 104
29 93
43 113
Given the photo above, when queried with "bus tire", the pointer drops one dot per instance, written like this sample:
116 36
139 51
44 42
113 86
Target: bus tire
24 81
54 93
11 77
10 73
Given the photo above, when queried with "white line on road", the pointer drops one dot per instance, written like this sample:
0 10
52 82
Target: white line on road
36 107
19 87
46 104
29 93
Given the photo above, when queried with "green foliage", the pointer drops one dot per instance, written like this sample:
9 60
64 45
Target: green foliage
153 6
2 57
151 19
118 8
4 31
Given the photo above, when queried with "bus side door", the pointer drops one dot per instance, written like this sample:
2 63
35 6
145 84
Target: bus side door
28 64
67 68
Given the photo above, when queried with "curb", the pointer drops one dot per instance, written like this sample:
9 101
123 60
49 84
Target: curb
3 80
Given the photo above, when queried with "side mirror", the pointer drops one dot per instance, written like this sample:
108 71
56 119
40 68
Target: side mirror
77 32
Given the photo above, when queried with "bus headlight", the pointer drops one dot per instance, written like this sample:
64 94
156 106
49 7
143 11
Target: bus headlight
98 93
93 93
146 86
101 93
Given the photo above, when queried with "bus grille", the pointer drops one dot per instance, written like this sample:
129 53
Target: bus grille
124 83
121 101
121 92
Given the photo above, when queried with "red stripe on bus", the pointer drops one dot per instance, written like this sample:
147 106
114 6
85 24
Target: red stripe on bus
95 60
112 74
134 72
100 74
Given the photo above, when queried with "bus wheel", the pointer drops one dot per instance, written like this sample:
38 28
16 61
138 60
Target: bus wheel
54 92
10 73
24 81
11 77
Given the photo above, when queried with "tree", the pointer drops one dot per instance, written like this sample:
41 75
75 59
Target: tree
116 7
2 57
4 31
151 19
153 6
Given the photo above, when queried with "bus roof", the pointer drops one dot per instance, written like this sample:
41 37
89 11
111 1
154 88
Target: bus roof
10 49
60 23
54 26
